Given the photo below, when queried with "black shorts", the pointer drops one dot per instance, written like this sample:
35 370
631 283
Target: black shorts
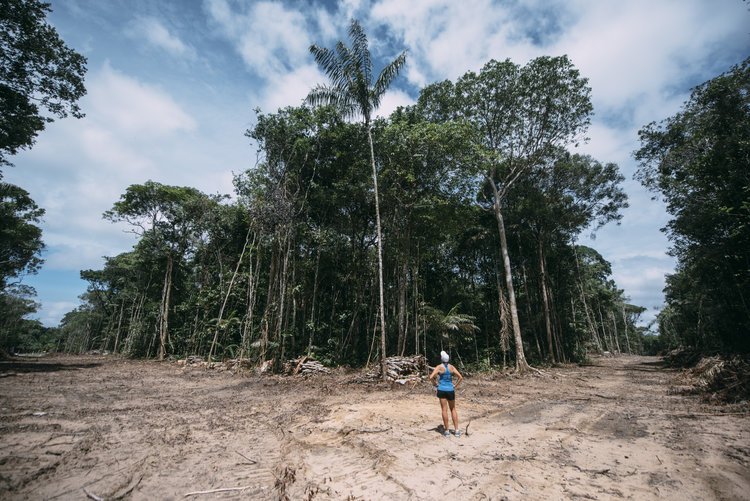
450 395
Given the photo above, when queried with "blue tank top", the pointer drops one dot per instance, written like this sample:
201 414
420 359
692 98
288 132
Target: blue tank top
445 380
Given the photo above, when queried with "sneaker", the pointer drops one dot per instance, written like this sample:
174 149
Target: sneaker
458 433
446 433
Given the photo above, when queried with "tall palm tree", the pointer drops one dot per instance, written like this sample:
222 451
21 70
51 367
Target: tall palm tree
354 94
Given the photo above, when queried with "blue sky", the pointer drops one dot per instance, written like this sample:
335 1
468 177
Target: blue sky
172 85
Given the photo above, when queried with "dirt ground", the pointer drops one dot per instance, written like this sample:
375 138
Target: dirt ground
99 427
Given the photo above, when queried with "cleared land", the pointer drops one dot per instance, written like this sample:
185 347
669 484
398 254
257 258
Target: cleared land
93 426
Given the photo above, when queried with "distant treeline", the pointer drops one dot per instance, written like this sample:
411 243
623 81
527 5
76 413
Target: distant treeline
699 162
289 266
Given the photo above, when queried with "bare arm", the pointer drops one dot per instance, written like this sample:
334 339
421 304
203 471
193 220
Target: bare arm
434 375
458 375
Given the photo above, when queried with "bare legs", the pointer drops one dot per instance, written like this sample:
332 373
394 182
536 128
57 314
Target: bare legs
454 414
444 409
444 405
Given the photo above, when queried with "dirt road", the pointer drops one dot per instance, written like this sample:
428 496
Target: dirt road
78 427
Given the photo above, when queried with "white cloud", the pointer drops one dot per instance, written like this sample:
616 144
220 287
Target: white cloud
289 89
271 39
53 311
156 34
129 106
641 57
132 132
392 100
632 51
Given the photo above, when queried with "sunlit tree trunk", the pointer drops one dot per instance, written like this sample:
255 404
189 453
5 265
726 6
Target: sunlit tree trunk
625 324
521 364
380 252
227 295
614 329
503 311
312 308
119 327
164 313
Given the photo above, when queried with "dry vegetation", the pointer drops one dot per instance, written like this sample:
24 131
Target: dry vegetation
109 428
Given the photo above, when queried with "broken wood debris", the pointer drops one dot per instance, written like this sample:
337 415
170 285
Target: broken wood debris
92 496
232 364
305 366
511 457
212 491
400 370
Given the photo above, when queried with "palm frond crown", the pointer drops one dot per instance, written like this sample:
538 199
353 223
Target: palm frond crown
349 71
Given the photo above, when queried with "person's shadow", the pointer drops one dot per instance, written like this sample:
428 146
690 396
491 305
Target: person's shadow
438 429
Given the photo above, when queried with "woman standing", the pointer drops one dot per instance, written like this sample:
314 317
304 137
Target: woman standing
442 379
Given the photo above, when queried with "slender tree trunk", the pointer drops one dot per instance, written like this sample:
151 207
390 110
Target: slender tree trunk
312 308
625 326
283 279
380 252
119 326
226 296
557 331
402 284
164 317
416 305
589 321
252 286
529 313
521 364
545 299
607 342
502 307
265 322
614 327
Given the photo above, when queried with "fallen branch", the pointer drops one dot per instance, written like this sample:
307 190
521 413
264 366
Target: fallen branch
374 430
212 491
562 428
595 472
700 414
577 494
302 360
347 431
250 460
92 496
518 481
128 489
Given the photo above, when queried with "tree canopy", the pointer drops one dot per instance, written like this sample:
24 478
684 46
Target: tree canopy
40 76
20 237
353 241
697 161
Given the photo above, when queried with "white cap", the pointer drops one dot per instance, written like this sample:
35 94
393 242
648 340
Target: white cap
444 357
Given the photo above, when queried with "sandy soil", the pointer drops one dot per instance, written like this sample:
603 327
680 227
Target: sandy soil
99 427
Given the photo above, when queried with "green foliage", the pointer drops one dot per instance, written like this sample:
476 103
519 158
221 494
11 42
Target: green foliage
353 90
293 265
697 161
20 238
40 76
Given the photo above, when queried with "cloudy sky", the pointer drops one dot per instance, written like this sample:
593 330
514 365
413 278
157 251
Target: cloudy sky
172 85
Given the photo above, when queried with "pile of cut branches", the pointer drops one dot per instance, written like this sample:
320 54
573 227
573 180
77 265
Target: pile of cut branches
400 370
232 364
304 366
682 357
721 379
